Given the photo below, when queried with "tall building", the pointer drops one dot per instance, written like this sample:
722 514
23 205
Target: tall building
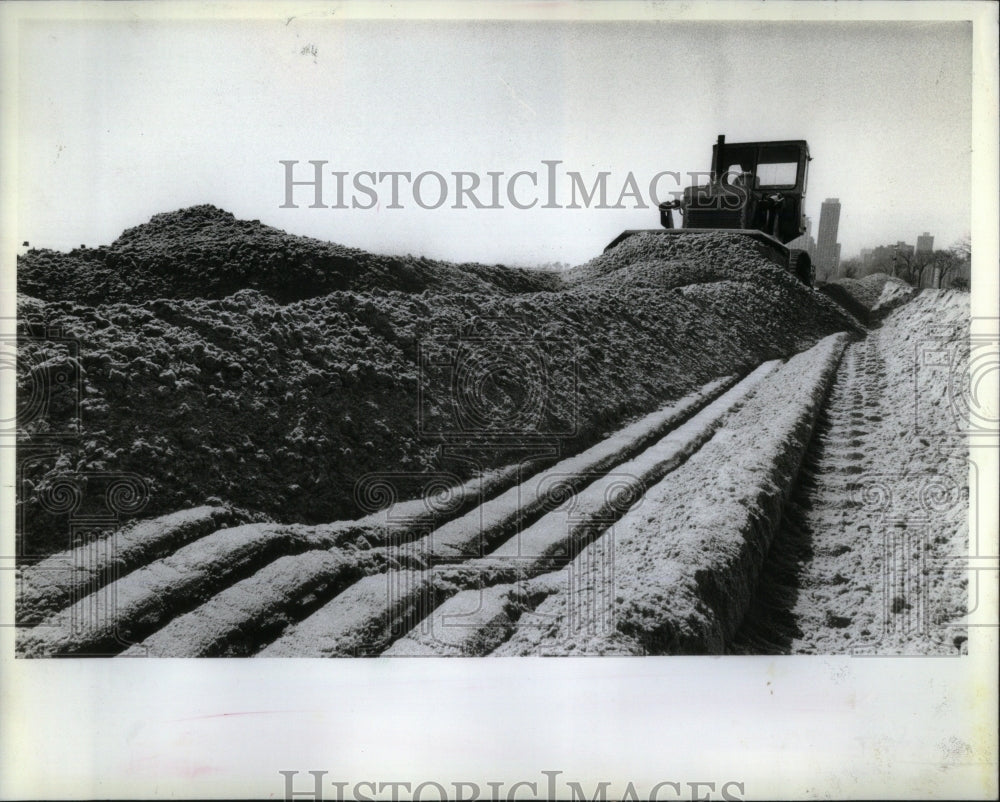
925 243
826 238
879 260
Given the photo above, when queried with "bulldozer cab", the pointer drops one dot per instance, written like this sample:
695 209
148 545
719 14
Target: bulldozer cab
771 165
757 190
754 185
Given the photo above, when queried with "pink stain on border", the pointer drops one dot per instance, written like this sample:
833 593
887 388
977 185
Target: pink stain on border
238 713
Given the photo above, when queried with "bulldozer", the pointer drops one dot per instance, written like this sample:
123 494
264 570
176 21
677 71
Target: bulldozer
755 189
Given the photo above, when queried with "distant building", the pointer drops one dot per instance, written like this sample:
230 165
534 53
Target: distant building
879 259
826 239
903 249
925 243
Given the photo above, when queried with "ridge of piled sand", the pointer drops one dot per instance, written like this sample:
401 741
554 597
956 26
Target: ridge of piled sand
282 407
870 297
205 252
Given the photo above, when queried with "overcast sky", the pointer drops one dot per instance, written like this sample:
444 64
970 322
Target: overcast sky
119 121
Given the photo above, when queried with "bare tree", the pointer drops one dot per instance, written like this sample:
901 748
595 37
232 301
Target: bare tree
947 269
850 268
923 265
903 265
962 248
959 258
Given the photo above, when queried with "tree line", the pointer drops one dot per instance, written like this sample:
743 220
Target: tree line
942 269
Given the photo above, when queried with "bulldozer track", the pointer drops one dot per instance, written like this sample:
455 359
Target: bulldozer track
822 501
651 541
875 525
206 582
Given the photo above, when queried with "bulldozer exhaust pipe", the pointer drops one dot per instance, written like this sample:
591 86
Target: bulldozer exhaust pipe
717 162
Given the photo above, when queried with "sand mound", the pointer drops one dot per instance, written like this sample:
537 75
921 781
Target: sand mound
276 388
204 252
870 297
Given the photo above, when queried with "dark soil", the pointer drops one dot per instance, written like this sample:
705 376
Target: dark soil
217 358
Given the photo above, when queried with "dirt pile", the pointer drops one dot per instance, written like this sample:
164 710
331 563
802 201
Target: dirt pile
205 252
870 297
214 358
